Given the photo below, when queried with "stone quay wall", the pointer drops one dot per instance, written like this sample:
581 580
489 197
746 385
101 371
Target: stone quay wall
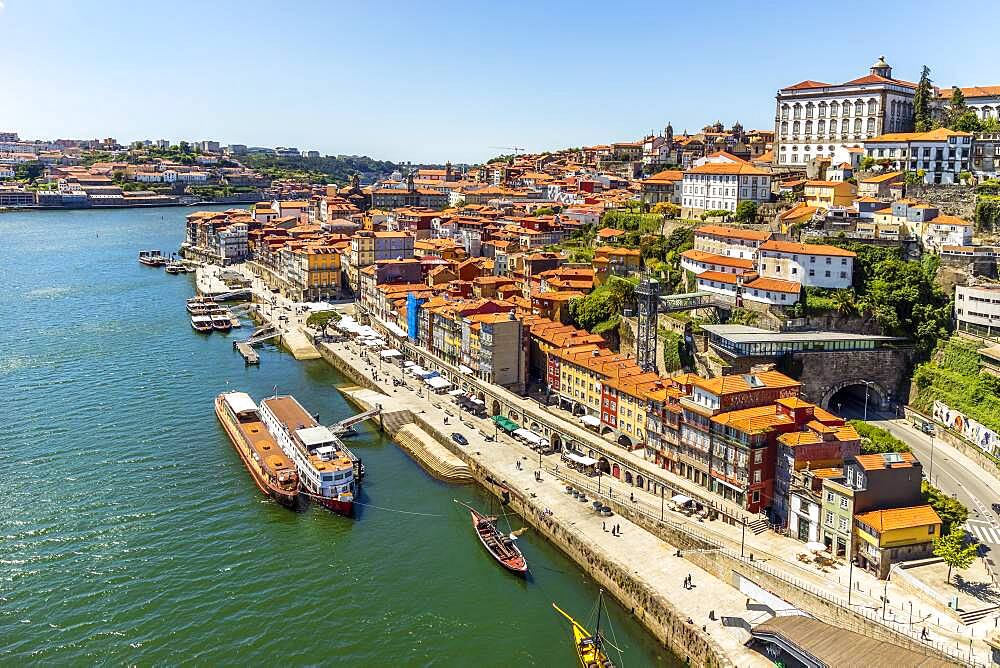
666 622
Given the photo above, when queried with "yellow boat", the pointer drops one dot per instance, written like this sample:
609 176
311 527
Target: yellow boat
589 648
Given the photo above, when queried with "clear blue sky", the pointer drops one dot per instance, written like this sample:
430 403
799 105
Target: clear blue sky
432 81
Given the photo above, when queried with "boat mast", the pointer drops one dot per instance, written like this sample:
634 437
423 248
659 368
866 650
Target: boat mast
597 629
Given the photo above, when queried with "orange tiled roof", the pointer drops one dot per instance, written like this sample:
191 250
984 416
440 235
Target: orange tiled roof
877 461
899 518
805 249
733 232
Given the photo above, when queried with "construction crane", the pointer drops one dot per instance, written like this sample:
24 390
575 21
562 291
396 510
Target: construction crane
515 149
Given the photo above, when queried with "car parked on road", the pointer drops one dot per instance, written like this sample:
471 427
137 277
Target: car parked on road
458 438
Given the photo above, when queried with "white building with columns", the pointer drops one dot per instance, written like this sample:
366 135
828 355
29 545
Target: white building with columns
814 119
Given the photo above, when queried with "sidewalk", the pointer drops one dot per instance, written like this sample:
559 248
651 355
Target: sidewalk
649 559
770 550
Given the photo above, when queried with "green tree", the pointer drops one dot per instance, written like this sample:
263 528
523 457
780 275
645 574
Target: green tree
746 211
953 551
967 121
667 209
957 103
990 125
29 171
875 440
922 101
951 511
867 163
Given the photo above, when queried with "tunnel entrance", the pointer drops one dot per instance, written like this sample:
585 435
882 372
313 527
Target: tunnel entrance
851 399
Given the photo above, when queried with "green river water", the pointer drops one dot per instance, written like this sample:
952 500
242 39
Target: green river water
130 533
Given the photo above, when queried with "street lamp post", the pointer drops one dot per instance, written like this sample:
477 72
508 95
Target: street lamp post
867 385
743 535
850 577
661 503
930 474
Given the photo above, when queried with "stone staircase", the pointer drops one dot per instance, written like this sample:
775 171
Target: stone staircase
393 421
758 526
431 455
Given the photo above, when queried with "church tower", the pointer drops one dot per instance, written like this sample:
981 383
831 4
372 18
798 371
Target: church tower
881 68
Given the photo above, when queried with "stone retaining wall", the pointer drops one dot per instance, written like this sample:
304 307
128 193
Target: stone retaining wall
954 440
667 623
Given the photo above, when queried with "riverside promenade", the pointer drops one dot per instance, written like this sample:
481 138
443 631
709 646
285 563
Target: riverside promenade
713 552
642 571
716 548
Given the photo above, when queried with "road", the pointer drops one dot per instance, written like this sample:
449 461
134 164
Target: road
952 473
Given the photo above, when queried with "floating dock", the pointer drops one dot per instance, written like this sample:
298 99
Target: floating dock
250 355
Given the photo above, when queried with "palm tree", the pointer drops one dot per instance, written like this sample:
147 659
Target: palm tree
846 302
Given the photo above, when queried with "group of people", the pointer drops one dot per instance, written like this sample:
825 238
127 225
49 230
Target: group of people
616 529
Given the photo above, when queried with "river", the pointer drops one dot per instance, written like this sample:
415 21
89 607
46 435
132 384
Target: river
132 534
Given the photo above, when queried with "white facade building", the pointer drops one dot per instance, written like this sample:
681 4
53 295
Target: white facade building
729 241
977 309
942 153
984 100
812 265
722 186
815 119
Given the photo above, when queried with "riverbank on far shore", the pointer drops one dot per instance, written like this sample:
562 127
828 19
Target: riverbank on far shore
117 207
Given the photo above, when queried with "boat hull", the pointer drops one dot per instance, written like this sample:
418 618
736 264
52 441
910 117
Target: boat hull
345 508
515 564
287 498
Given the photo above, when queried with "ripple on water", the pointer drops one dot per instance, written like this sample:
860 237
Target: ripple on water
133 535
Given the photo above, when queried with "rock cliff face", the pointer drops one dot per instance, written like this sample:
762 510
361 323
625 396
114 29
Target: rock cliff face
954 200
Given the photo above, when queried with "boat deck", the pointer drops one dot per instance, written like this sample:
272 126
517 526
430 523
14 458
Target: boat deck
259 438
292 415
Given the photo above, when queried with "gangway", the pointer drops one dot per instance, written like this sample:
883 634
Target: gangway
260 335
346 426
233 295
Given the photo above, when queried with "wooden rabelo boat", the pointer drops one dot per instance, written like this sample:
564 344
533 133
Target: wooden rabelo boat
589 647
501 546
272 471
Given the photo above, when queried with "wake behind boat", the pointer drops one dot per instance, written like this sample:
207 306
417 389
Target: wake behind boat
501 546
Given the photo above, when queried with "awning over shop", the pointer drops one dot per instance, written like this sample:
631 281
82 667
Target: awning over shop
455 392
464 369
437 382
583 460
590 421
529 436
680 499
504 423
395 330
391 352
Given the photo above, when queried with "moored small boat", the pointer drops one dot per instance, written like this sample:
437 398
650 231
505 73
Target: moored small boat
501 546
201 305
202 323
152 258
176 268
590 651
222 320
272 471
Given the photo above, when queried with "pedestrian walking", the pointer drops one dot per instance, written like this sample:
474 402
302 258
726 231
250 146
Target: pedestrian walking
631 497
604 526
